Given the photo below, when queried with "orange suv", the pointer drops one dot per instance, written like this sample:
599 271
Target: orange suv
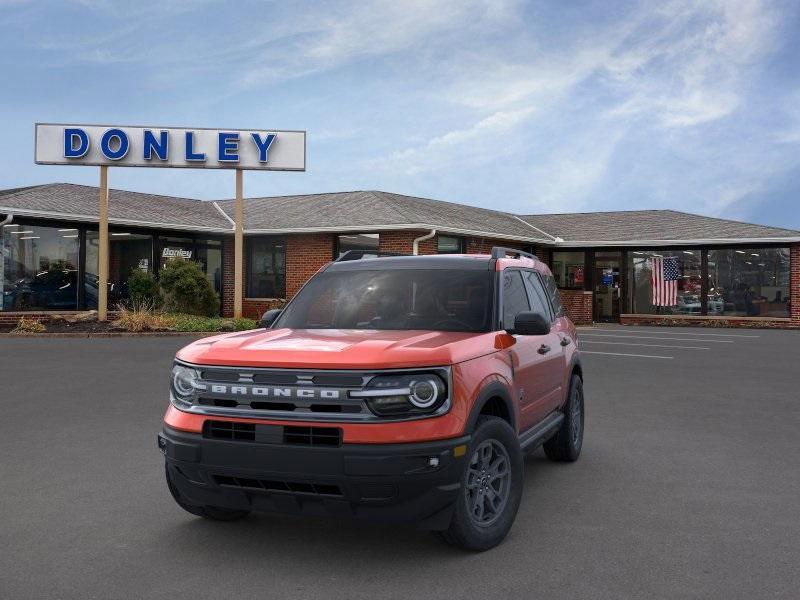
395 388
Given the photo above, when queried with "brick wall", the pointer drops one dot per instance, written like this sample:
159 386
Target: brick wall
254 309
227 276
578 305
484 245
305 255
709 321
403 242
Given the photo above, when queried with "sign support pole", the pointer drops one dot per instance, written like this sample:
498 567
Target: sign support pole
238 255
102 255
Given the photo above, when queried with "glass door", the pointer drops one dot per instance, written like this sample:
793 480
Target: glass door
607 285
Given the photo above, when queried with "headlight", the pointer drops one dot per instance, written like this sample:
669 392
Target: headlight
404 394
185 381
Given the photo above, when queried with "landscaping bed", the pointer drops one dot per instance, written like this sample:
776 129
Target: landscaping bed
128 322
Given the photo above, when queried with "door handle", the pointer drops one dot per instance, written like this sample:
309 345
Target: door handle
565 341
543 349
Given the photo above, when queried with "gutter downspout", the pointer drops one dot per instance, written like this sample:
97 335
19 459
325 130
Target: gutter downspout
556 239
427 236
7 220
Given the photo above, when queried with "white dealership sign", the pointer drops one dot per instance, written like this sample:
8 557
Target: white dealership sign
190 148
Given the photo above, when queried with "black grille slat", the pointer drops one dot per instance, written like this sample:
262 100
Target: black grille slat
312 436
338 380
229 430
282 406
273 486
275 378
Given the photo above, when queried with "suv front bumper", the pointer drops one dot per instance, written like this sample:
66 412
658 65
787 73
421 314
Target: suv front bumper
410 482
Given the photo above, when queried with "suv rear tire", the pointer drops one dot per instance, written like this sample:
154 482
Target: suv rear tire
215 513
491 488
565 445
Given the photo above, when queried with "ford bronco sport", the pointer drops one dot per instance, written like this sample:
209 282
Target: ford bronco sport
396 388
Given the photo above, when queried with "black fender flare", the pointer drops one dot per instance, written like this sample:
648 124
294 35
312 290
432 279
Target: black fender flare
575 365
494 389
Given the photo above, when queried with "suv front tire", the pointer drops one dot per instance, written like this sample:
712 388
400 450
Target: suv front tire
491 488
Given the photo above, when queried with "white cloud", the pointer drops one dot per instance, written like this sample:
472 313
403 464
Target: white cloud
476 143
373 28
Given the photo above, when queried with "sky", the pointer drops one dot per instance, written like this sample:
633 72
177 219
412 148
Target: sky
528 107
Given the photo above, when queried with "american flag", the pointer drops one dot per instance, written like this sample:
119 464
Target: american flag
664 277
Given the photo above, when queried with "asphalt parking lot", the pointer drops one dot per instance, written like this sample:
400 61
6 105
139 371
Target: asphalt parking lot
688 487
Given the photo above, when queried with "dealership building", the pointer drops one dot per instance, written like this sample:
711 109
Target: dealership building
723 272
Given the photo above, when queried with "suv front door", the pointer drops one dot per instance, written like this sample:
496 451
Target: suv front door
529 354
555 358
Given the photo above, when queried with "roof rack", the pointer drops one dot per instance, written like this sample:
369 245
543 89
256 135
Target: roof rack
359 254
501 252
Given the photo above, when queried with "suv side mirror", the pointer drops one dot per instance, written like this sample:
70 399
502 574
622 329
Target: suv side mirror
531 323
268 318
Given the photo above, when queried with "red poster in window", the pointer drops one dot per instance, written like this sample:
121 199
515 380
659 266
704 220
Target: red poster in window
579 275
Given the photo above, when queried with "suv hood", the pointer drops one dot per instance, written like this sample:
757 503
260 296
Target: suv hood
339 348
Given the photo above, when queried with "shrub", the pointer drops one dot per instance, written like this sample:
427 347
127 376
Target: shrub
143 289
186 289
194 323
141 317
26 325
243 324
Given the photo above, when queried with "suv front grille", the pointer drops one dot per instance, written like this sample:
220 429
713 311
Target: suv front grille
286 394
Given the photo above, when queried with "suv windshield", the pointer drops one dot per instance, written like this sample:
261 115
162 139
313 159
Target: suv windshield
434 299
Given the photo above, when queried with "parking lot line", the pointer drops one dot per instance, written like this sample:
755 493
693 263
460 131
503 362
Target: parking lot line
650 337
624 354
647 345
633 331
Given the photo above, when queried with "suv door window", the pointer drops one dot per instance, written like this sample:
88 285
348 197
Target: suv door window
538 297
515 298
552 292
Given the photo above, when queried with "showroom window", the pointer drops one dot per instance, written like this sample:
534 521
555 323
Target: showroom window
128 252
266 267
209 255
569 270
39 267
448 244
749 282
666 282
358 241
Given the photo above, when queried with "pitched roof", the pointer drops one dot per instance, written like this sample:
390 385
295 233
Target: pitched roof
374 210
665 226
364 211
80 202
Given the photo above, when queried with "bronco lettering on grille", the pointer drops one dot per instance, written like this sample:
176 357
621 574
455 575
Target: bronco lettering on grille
276 392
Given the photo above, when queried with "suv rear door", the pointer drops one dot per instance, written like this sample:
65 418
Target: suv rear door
531 355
